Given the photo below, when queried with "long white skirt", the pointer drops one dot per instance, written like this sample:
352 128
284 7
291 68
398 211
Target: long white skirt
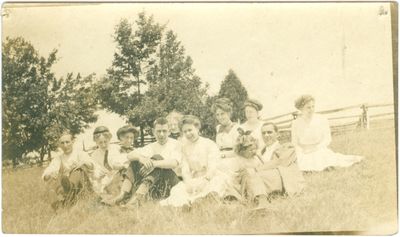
323 158
185 194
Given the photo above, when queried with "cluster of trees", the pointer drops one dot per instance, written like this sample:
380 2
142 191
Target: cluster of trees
150 76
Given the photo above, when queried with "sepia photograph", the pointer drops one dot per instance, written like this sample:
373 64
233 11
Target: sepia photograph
199 118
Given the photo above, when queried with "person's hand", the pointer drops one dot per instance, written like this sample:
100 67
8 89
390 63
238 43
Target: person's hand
47 177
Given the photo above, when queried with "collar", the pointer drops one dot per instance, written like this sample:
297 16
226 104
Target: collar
124 149
271 147
225 128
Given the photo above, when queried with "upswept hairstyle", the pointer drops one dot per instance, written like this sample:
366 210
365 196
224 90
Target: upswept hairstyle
302 101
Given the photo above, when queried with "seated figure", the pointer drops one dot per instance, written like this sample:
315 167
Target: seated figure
110 164
68 173
126 136
311 135
199 167
276 170
151 167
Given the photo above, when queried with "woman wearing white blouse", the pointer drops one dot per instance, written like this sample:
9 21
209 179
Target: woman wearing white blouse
199 166
311 135
227 134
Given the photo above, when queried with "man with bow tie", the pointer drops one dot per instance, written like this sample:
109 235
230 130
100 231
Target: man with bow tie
126 136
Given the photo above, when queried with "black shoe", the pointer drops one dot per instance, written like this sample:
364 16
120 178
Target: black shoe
66 184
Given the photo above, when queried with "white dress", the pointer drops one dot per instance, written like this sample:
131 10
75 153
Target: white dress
229 164
199 172
311 140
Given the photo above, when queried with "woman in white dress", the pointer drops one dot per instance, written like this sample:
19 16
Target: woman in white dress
227 134
253 123
199 166
311 136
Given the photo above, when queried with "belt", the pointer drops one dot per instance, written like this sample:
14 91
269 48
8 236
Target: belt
226 149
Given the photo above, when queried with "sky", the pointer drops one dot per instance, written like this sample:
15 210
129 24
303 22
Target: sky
339 52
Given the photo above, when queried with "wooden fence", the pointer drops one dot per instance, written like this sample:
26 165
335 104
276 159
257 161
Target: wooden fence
342 119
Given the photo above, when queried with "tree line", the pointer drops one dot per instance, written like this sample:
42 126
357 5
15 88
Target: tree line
150 76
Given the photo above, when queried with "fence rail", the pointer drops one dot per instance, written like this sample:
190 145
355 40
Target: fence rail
362 117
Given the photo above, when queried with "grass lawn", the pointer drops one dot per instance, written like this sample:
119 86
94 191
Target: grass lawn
360 198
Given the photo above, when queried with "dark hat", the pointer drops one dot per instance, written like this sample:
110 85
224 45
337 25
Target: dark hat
253 103
126 129
100 129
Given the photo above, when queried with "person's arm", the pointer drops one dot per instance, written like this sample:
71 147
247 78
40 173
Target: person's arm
283 156
186 174
52 170
171 157
142 155
165 164
134 156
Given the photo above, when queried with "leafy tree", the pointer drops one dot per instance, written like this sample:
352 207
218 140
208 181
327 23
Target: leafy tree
232 88
122 89
173 85
36 105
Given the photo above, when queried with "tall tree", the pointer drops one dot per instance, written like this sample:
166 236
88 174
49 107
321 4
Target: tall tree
35 103
232 88
173 85
122 89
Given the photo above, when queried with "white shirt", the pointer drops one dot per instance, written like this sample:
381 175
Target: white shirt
199 158
71 161
269 151
227 139
169 151
313 134
116 159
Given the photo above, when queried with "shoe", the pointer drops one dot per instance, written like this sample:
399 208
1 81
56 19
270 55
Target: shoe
66 184
56 205
230 198
262 203
186 208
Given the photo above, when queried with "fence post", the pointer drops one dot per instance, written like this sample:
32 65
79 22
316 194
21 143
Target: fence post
364 117
295 114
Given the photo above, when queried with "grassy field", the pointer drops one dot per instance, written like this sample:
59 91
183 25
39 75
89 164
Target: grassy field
360 198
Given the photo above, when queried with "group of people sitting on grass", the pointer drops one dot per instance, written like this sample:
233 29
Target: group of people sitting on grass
246 162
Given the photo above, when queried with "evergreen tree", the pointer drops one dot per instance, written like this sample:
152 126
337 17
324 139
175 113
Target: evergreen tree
232 88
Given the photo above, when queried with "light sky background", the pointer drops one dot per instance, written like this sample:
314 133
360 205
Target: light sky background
339 52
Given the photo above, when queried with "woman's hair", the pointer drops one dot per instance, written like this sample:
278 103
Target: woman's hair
101 132
244 142
302 101
223 104
189 119
174 116
67 132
